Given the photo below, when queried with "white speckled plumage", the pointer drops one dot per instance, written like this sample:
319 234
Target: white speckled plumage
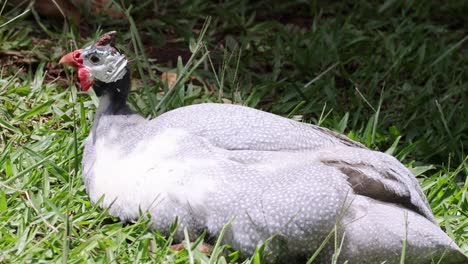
207 164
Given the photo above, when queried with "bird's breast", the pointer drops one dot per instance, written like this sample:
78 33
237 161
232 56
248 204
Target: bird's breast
160 170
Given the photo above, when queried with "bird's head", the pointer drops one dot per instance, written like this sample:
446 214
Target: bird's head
100 62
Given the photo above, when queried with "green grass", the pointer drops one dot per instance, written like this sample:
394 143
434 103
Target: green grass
392 76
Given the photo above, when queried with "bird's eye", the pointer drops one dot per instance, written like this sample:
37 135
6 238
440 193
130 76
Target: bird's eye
94 59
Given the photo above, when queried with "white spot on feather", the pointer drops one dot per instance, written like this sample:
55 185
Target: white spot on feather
284 160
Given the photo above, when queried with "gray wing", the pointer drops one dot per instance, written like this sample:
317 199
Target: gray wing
370 173
379 176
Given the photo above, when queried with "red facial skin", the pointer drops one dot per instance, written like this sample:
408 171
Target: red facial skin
85 79
74 59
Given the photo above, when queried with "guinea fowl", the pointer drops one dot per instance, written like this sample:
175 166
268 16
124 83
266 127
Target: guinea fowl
207 164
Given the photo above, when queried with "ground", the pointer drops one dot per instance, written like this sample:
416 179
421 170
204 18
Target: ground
390 75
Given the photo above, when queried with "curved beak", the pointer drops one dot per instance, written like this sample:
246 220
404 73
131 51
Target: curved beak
73 59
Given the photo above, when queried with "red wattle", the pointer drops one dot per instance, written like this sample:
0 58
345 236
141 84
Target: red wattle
85 79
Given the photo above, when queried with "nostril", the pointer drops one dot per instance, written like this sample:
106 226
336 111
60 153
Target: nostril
77 56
